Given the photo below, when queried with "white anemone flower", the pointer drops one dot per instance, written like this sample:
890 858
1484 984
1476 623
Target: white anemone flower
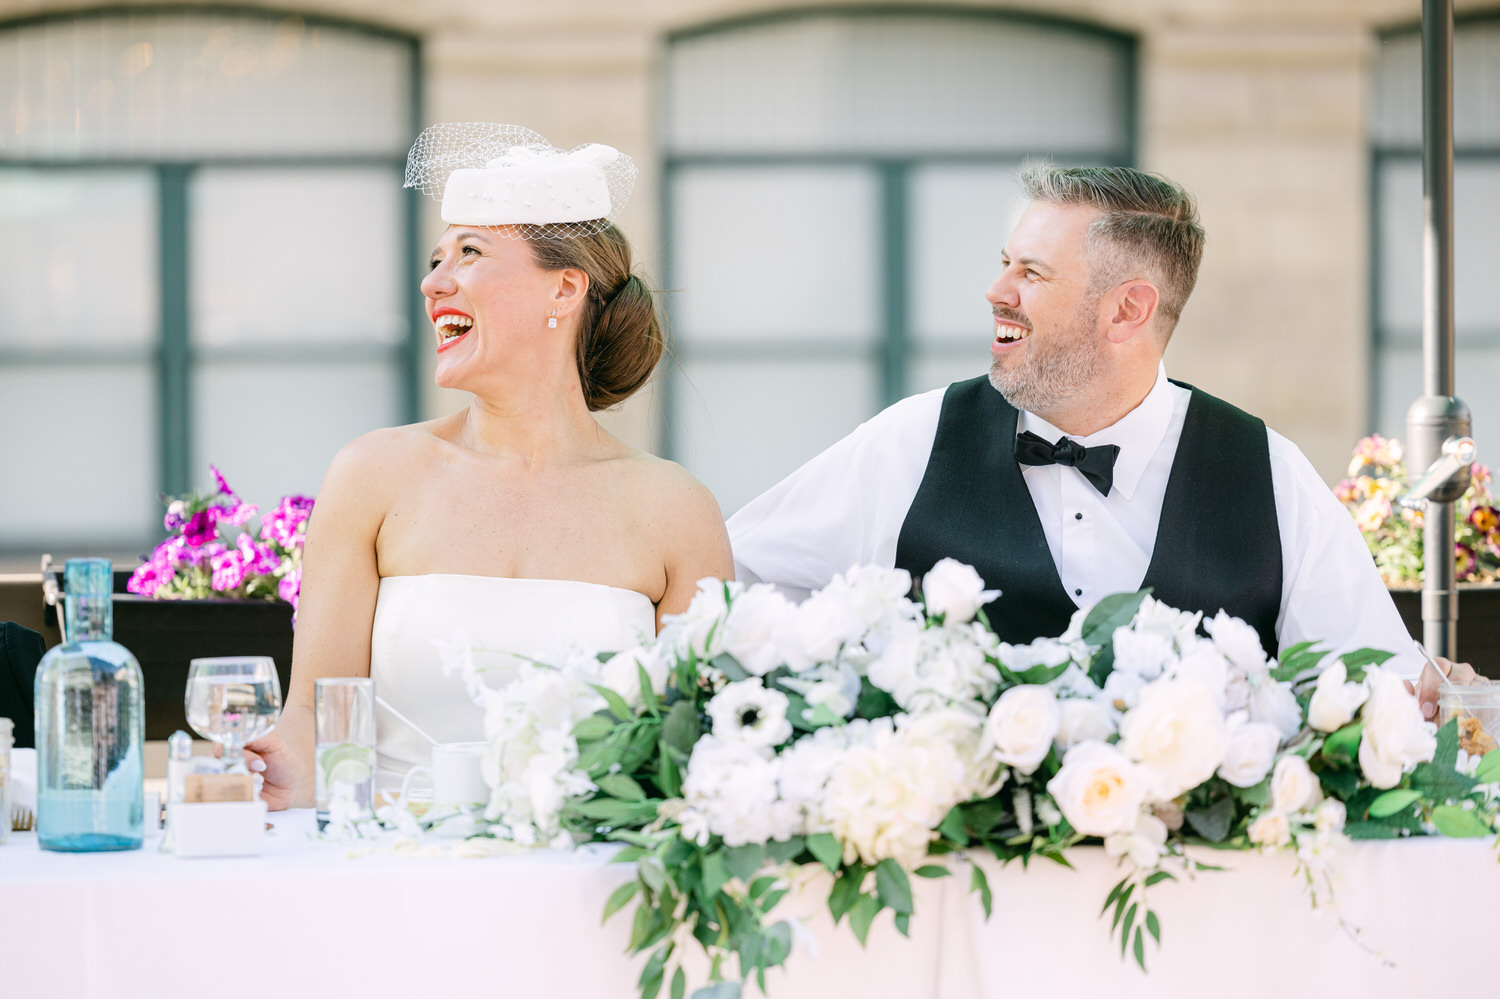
748 713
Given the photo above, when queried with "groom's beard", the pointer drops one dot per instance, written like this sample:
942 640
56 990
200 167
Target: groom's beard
1058 366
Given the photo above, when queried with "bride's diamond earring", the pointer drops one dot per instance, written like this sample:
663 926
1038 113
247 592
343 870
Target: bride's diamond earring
552 320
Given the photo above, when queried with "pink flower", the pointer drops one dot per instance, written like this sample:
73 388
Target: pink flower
258 559
223 487
202 527
286 525
149 576
229 570
1372 513
290 588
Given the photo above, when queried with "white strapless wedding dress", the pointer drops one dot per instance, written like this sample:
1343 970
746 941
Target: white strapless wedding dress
500 618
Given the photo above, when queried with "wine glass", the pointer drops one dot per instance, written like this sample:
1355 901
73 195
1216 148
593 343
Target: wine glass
233 700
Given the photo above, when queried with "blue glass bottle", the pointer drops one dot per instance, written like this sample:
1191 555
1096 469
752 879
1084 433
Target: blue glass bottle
90 725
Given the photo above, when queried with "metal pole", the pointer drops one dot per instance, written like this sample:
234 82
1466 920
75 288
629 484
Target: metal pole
1438 415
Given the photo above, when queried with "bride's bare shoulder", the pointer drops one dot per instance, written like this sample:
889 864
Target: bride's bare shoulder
378 460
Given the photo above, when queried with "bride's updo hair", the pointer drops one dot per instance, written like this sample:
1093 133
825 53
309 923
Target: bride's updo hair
620 336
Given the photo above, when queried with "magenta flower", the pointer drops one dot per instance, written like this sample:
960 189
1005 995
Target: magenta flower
229 570
223 487
290 587
286 525
149 576
202 527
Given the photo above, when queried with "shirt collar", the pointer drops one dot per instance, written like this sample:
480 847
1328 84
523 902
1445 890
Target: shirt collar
1138 433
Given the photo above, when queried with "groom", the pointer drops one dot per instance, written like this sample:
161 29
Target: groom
1077 469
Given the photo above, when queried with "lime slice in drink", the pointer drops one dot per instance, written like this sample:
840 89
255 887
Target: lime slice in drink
346 762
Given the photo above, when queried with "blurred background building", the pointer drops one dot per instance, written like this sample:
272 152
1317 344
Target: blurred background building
206 253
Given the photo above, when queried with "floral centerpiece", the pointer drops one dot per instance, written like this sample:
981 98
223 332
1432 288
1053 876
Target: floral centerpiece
1377 478
213 553
882 738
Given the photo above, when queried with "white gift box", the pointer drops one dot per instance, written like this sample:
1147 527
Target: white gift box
217 828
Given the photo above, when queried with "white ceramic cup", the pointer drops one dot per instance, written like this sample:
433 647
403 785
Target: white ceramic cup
456 775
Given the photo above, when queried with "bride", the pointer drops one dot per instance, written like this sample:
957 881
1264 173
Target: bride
518 523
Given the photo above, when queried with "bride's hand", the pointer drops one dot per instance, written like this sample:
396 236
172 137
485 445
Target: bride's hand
1430 684
284 774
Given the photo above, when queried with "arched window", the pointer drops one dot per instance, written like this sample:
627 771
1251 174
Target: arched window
1396 261
838 188
203 257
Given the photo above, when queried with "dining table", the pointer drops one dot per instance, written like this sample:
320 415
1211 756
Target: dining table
317 916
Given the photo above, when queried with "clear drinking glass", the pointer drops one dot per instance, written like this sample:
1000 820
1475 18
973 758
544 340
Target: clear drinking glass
6 738
1477 708
344 761
233 700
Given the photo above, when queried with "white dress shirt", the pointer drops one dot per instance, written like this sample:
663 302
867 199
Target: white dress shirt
846 506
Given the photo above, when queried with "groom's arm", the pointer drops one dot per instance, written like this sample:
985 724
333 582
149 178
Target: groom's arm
843 508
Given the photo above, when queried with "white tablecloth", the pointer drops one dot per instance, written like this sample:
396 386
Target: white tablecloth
307 919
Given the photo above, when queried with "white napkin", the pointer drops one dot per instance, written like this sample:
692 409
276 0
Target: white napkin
23 778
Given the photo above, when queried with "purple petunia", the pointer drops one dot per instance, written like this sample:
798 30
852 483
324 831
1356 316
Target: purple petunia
229 570
223 487
202 527
287 523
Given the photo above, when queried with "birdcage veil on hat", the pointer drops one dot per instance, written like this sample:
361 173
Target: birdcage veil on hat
493 175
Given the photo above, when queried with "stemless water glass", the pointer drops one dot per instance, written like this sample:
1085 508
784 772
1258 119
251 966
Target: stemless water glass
344 764
233 700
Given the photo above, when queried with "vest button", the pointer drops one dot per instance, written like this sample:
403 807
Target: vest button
1077 593
1077 516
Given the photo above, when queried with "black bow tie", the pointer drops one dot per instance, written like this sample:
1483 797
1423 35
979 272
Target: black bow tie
1096 463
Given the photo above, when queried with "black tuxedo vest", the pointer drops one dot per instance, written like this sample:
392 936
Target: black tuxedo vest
1218 545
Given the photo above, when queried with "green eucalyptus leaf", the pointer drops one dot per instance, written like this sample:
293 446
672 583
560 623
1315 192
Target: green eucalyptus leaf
1459 823
621 786
778 943
730 667
1213 822
952 827
978 882
862 915
718 990
682 727
846 891
932 871
1393 801
679 984
1344 744
653 873
744 861
619 898
1153 926
782 850
617 705
648 693
715 874
826 848
1489 768
893 886
1140 949
1365 657
903 923
1155 878
592 728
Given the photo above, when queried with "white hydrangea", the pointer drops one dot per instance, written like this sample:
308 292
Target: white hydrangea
700 628
929 668
731 790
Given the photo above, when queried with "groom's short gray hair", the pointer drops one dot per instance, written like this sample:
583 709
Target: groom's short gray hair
1148 227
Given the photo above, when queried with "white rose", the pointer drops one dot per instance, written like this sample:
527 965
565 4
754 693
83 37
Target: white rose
1203 662
1395 736
1271 828
1022 725
1141 653
1330 816
622 673
1251 751
1177 735
955 591
755 624
1293 786
1098 789
1237 641
1144 844
1273 703
828 620
1335 700
1179 627
1082 720
1123 690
